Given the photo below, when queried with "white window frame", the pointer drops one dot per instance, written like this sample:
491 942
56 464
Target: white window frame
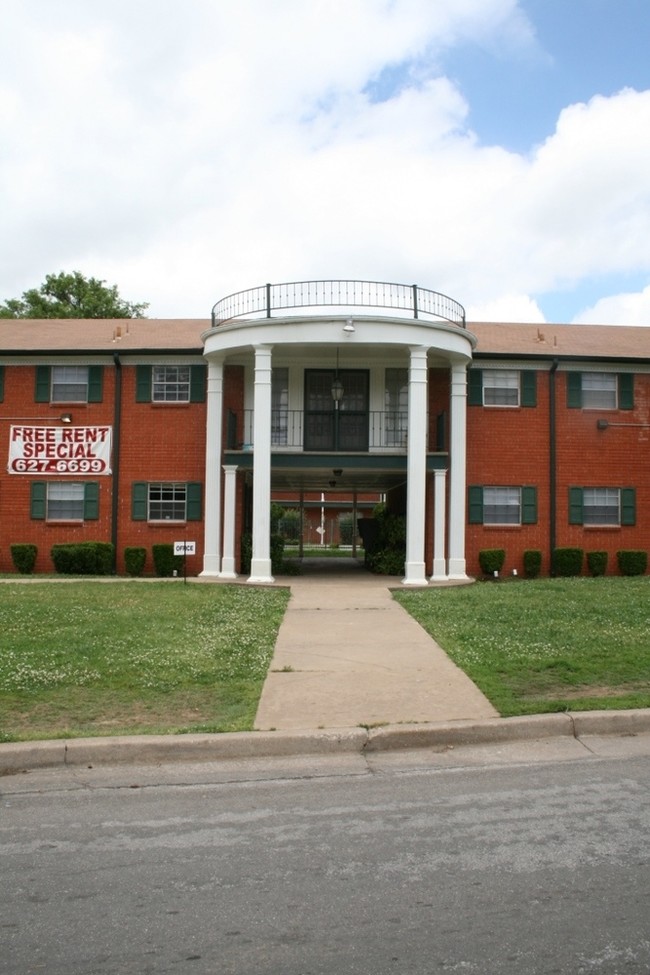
65 501
599 390
69 384
170 384
396 405
601 506
501 387
167 496
501 498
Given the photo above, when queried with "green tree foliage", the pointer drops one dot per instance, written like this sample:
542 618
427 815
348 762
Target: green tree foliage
71 296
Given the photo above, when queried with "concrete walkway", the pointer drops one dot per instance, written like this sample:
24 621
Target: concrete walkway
348 655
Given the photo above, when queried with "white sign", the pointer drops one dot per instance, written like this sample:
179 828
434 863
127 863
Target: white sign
59 450
184 548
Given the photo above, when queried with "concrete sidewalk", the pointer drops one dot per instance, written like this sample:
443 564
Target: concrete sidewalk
348 655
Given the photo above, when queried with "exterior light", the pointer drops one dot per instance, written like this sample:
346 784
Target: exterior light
348 328
337 471
337 390
602 424
66 418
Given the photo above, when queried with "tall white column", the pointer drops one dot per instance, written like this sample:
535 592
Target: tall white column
458 468
229 499
439 525
416 472
212 514
261 559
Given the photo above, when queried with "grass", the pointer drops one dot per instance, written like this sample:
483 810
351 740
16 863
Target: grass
535 646
95 658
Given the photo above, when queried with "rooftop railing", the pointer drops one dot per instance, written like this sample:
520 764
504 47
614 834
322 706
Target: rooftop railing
266 299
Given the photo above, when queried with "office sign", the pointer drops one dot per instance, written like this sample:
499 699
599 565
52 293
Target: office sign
60 450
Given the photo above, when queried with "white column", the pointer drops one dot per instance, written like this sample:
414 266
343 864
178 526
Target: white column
261 559
229 498
458 467
439 525
416 472
212 517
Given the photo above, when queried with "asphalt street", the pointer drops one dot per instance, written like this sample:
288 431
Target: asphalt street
513 859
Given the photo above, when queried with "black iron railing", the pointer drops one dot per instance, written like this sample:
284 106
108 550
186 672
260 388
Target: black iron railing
326 430
346 294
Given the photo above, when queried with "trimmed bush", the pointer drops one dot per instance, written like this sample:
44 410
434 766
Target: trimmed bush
491 560
277 552
597 563
164 560
568 561
387 550
134 560
632 562
83 558
23 556
532 562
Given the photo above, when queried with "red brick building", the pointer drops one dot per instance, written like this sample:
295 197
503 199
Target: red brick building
512 436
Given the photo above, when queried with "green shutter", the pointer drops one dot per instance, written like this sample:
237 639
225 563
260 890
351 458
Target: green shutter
528 388
628 506
574 390
475 391
575 506
626 391
529 505
2 383
91 501
95 383
193 501
38 500
139 497
475 495
42 393
143 384
198 376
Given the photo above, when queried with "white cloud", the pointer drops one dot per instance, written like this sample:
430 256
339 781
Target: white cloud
632 308
186 150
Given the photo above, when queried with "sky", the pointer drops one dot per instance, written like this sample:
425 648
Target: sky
497 151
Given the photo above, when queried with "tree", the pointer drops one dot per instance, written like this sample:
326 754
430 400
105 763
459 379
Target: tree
71 296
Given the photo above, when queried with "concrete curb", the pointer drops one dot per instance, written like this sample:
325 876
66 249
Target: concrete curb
159 749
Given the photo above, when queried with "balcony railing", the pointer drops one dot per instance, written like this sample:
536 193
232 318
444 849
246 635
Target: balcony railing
326 431
346 294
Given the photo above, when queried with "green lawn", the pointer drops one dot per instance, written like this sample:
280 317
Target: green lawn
96 658
548 644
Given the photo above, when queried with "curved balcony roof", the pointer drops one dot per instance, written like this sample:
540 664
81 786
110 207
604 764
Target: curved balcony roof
273 300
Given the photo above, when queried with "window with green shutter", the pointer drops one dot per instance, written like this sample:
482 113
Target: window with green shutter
502 387
602 506
502 505
143 376
600 390
64 500
43 383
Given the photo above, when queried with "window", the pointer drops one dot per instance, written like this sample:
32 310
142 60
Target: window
166 501
600 390
602 506
279 406
173 383
396 398
69 384
502 505
502 387
65 500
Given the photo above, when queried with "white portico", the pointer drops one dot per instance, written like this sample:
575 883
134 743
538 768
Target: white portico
357 384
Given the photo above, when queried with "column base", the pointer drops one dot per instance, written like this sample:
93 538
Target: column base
414 574
457 569
261 571
211 566
439 570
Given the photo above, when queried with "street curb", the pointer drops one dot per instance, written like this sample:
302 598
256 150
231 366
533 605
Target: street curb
159 749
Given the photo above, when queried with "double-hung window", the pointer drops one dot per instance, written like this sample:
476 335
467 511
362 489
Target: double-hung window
600 390
606 506
166 501
170 384
502 505
69 384
502 387
65 500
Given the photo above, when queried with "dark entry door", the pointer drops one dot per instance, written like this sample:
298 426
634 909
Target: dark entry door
336 426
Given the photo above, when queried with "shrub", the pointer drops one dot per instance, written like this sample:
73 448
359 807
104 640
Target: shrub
83 558
277 552
246 552
289 525
632 562
134 560
568 561
491 560
23 556
532 562
164 560
597 563
387 551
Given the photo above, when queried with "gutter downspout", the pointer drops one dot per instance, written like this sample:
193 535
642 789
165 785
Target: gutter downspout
552 458
117 418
